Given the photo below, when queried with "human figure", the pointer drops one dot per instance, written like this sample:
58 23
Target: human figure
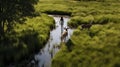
61 23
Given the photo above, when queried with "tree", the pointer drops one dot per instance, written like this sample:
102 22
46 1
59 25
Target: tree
12 11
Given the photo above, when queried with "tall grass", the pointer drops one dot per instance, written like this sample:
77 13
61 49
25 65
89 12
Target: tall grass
53 7
96 19
98 47
82 11
78 7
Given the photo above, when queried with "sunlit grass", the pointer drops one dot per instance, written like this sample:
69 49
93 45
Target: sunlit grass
97 47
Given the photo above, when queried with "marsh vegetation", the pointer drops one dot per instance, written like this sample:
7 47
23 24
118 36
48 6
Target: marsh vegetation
98 46
25 30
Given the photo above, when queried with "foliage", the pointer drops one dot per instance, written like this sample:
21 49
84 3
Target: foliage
82 11
60 7
98 47
25 39
14 10
96 19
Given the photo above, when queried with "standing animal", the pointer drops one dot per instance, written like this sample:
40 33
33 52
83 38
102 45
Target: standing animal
88 26
64 34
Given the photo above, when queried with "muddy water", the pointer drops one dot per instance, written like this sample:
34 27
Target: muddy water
46 54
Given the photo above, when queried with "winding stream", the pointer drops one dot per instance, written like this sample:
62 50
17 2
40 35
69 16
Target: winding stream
46 54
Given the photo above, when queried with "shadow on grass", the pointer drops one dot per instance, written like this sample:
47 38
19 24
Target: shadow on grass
59 13
69 45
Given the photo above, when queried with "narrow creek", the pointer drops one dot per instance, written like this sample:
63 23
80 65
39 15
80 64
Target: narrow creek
46 54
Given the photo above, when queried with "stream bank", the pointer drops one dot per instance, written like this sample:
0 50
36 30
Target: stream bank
46 54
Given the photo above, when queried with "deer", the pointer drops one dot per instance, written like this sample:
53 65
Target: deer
88 26
64 34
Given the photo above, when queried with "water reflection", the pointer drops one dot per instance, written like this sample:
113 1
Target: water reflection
61 23
61 29
45 55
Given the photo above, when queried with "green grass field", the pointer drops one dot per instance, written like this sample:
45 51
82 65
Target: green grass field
97 47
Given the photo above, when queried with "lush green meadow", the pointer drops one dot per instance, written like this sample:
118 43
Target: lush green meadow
25 39
97 47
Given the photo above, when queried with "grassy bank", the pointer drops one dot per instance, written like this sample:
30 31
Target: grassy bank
98 47
96 19
59 7
25 39
78 8
100 12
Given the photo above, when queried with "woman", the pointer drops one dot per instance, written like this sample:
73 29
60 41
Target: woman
61 23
